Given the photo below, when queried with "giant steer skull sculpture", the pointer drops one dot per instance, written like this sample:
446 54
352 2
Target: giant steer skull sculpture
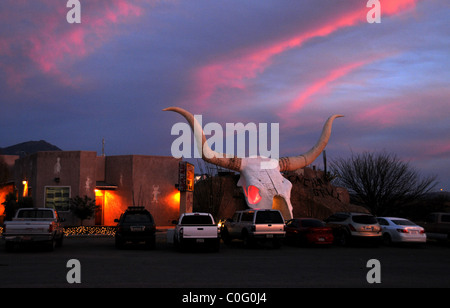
264 188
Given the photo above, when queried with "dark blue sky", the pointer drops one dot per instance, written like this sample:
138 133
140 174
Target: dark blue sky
289 62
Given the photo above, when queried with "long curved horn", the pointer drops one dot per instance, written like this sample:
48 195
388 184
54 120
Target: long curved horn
297 162
208 155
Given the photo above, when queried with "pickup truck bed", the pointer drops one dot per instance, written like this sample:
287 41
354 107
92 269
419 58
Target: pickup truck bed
194 229
34 225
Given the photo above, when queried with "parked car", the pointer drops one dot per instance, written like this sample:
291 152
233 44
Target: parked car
401 230
255 225
308 231
354 227
135 225
196 229
437 226
34 225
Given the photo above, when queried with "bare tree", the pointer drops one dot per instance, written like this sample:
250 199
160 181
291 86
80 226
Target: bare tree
380 181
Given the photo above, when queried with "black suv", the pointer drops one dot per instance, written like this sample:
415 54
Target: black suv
135 225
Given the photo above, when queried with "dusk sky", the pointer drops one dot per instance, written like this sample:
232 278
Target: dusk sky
291 62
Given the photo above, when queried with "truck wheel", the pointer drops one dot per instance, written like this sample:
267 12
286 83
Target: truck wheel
9 246
343 238
248 242
176 245
276 243
51 245
150 244
387 239
59 242
182 246
119 243
215 245
225 236
179 244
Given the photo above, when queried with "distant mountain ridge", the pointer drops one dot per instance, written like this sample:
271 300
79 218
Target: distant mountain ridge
29 147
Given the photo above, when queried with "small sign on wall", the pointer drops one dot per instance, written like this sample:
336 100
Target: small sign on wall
185 176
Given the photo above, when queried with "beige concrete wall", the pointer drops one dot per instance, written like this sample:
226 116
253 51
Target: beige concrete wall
74 169
147 181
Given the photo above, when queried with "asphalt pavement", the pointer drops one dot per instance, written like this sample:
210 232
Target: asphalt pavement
100 264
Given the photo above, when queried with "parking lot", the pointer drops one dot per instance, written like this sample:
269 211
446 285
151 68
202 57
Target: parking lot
102 265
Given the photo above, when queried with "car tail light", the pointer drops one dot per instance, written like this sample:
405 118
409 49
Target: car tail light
422 231
50 228
403 230
150 228
181 232
351 227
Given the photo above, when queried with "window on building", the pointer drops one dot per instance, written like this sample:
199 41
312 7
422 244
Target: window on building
58 198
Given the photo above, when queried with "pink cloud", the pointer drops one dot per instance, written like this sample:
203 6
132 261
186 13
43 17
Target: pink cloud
320 85
232 71
396 6
52 44
386 115
436 148
404 110
425 151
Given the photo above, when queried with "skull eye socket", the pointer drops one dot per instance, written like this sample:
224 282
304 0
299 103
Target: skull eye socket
253 195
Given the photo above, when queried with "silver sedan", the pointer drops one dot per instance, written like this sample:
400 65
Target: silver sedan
401 230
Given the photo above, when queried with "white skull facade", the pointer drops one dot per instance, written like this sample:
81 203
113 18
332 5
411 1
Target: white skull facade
264 188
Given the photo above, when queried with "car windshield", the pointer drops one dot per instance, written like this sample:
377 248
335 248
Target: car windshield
312 223
137 218
264 217
364 219
403 222
197 220
35 214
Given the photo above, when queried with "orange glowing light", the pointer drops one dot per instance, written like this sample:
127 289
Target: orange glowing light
25 188
175 197
4 191
253 195
113 206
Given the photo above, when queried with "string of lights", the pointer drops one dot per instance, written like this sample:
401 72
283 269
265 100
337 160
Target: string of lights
86 231
90 231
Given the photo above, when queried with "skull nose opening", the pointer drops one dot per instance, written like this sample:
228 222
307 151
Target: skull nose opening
252 194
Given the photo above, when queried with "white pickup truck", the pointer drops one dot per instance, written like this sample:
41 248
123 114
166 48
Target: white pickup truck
34 225
196 228
252 226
